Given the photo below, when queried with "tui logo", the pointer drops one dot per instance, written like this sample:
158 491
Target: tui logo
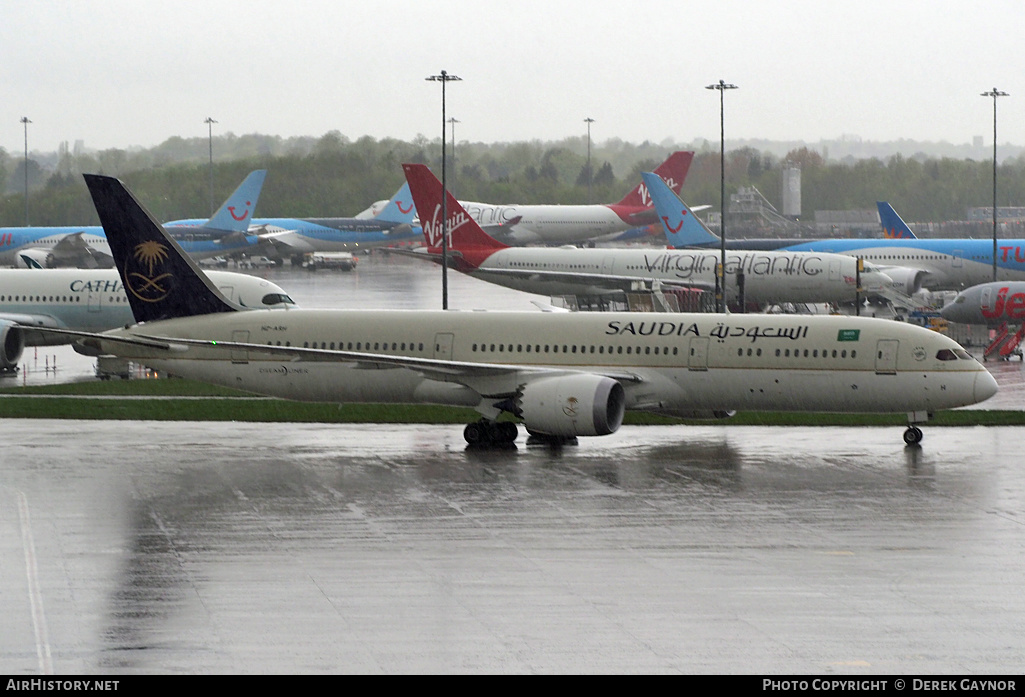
243 215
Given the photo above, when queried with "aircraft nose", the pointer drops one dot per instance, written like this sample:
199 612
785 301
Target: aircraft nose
949 312
985 386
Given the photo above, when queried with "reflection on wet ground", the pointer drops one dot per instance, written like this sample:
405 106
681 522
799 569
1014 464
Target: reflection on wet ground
247 548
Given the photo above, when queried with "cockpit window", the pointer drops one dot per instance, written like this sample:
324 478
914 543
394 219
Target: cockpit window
277 299
946 355
964 355
959 300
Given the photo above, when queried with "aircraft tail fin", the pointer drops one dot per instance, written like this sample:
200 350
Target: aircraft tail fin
160 279
236 213
400 208
894 226
673 172
681 227
465 237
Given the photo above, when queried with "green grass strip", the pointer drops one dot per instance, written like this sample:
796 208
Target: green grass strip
181 400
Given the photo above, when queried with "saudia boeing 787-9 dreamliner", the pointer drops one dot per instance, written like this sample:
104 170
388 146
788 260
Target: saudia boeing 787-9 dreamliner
562 375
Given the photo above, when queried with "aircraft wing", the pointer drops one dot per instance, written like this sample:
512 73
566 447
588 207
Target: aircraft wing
73 250
29 323
288 241
502 231
488 379
612 282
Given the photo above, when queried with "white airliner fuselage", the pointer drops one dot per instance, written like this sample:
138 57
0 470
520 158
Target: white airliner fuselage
548 224
683 364
769 277
94 299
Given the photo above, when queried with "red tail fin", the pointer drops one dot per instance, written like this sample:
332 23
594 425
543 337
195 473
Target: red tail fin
464 234
673 171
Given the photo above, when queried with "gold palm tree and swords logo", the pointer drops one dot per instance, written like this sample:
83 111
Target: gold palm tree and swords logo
154 287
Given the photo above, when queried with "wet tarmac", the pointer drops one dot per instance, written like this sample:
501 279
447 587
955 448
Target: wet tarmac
203 548
146 547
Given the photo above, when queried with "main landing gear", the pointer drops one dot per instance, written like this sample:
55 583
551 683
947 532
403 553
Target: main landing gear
487 433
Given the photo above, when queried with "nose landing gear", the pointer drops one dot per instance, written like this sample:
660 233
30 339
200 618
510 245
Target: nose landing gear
913 435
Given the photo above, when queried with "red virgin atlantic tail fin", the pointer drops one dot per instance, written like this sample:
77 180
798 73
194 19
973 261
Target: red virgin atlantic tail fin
464 234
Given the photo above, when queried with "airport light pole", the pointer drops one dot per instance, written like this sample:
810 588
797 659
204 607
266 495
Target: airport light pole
210 135
994 93
453 121
720 276
26 122
588 121
443 78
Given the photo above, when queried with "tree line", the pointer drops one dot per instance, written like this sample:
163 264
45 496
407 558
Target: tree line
334 176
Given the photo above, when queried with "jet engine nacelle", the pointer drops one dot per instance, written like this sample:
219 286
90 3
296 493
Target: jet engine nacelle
12 344
35 259
905 280
573 405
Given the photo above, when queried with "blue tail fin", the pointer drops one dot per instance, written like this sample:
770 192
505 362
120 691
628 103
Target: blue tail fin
160 280
894 227
236 213
400 208
682 229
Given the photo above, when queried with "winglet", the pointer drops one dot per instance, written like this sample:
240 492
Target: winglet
400 208
236 213
160 280
894 227
465 236
673 172
681 227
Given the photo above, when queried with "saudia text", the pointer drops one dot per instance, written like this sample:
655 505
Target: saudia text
720 331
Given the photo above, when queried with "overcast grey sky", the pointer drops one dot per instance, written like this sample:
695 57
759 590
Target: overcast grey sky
118 73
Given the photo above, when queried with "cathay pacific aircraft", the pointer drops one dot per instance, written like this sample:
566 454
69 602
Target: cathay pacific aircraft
94 300
86 247
562 374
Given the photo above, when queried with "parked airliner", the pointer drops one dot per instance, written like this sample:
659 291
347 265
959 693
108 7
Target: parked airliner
770 277
563 374
912 262
295 237
990 303
86 247
94 300
520 224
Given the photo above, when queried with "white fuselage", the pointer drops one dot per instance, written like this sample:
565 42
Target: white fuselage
769 277
94 300
548 224
39 243
672 363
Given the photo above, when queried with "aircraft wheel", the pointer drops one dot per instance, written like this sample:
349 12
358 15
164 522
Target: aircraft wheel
913 435
476 433
506 432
